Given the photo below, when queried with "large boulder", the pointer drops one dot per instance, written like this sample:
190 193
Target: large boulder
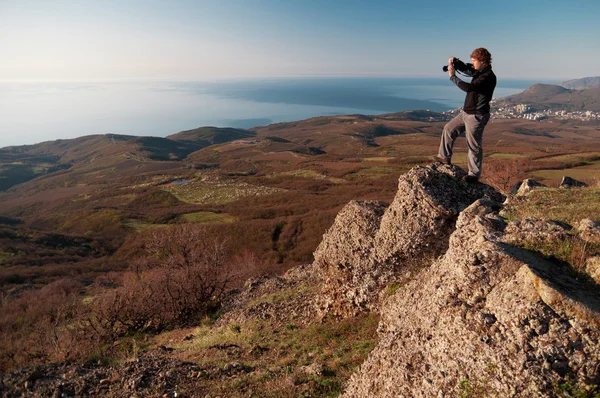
371 244
344 259
589 230
526 186
486 318
568 182
592 268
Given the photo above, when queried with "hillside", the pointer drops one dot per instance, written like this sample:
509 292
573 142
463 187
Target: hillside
206 136
488 307
582 84
548 96
96 152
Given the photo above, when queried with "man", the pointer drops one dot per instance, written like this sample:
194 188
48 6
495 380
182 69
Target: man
475 113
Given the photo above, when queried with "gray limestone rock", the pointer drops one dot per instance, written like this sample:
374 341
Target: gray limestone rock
486 318
527 186
371 244
344 259
592 268
534 229
589 230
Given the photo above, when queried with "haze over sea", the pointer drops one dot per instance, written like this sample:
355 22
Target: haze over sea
32 112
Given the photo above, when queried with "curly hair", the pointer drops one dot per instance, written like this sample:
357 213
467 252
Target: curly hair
482 55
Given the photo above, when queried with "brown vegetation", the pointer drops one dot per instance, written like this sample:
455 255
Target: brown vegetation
70 224
184 275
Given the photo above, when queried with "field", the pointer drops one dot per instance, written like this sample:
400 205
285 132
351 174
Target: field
86 218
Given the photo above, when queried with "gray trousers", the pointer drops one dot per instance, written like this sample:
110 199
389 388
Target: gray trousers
473 125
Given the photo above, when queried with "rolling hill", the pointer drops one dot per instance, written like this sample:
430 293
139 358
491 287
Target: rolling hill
548 96
206 136
19 164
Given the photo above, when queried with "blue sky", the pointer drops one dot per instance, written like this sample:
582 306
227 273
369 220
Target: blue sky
80 40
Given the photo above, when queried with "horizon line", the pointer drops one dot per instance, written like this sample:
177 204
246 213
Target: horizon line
233 78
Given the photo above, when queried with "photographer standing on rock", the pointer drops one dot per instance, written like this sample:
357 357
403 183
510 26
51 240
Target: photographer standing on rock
475 113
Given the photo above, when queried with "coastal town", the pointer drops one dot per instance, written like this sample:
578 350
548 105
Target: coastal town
524 111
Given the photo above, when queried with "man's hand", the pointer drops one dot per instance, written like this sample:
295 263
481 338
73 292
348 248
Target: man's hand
451 71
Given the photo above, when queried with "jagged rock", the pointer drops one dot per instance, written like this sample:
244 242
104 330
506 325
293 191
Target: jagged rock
568 182
486 317
371 244
515 188
152 374
589 230
535 230
527 186
592 268
345 254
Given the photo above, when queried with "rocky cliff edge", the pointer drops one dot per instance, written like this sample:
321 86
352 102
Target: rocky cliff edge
483 317
372 244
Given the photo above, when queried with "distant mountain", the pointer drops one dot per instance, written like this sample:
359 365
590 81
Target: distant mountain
582 84
549 96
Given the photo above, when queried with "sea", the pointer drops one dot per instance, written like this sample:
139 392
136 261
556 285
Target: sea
35 111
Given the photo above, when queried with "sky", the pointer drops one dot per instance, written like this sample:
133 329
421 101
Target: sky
223 39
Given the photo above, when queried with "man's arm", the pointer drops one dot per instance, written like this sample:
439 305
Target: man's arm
475 85
464 86
452 73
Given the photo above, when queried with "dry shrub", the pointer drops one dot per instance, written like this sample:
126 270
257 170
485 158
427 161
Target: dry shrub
503 174
38 326
184 276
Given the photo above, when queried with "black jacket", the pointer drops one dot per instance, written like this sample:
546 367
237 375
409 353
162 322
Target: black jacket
479 91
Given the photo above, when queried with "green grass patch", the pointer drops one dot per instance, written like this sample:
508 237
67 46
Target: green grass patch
567 205
5 256
139 225
376 172
312 175
566 388
280 353
583 173
574 157
216 192
507 155
206 217
383 159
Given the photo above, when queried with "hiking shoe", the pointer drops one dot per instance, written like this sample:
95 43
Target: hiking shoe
437 159
471 179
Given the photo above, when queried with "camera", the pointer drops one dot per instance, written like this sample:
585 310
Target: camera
460 66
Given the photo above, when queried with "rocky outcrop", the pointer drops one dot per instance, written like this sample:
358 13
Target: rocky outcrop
568 182
589 230
344 259
534 229
371 244
592 268
486 318
151 374
526 186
